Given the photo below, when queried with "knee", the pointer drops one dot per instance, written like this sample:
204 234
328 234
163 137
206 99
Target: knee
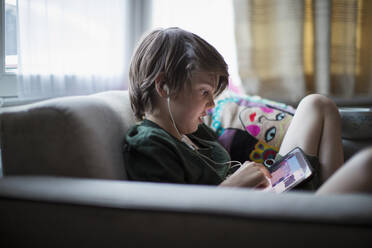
318 101
321 103
366 154
365 160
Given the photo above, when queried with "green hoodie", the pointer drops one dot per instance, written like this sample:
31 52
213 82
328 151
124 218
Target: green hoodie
152 154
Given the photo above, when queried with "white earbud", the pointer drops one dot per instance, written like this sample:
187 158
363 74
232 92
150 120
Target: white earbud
165 87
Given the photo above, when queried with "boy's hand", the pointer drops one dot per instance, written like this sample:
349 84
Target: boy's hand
250 174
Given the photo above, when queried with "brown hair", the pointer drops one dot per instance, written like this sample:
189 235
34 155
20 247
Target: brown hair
176 53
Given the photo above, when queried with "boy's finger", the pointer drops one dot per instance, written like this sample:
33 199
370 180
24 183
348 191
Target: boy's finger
265 170
264 184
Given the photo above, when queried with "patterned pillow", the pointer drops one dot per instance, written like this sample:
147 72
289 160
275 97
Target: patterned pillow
249 127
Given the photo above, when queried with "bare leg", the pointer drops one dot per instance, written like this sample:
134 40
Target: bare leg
354 176
316 128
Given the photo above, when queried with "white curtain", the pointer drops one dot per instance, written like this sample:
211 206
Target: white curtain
72 47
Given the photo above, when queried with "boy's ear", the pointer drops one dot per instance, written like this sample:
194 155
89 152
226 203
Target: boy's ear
161 86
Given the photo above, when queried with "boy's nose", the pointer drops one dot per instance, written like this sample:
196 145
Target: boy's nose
211 103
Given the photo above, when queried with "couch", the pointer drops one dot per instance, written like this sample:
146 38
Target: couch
64 184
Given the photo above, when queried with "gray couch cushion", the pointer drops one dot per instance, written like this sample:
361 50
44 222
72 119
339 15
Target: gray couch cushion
71 136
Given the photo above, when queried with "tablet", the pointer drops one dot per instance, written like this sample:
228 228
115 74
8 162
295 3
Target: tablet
289 171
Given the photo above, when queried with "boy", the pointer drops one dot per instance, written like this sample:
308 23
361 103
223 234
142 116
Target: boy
174 77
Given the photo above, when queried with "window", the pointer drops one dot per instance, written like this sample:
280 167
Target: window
8 49
11 51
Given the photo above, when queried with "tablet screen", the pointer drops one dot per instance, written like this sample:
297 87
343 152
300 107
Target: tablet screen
289 172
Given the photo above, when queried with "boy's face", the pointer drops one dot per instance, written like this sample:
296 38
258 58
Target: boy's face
192 103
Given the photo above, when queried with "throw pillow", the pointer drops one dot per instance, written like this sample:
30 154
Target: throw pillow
249 127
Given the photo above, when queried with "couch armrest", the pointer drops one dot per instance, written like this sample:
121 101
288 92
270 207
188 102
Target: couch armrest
78 136
61 212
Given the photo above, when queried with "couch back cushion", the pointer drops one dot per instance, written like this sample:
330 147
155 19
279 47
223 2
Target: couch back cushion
79 136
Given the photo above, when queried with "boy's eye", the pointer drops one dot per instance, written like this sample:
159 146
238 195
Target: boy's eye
205 92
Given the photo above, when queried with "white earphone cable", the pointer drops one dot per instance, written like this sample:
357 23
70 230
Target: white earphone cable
183 139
